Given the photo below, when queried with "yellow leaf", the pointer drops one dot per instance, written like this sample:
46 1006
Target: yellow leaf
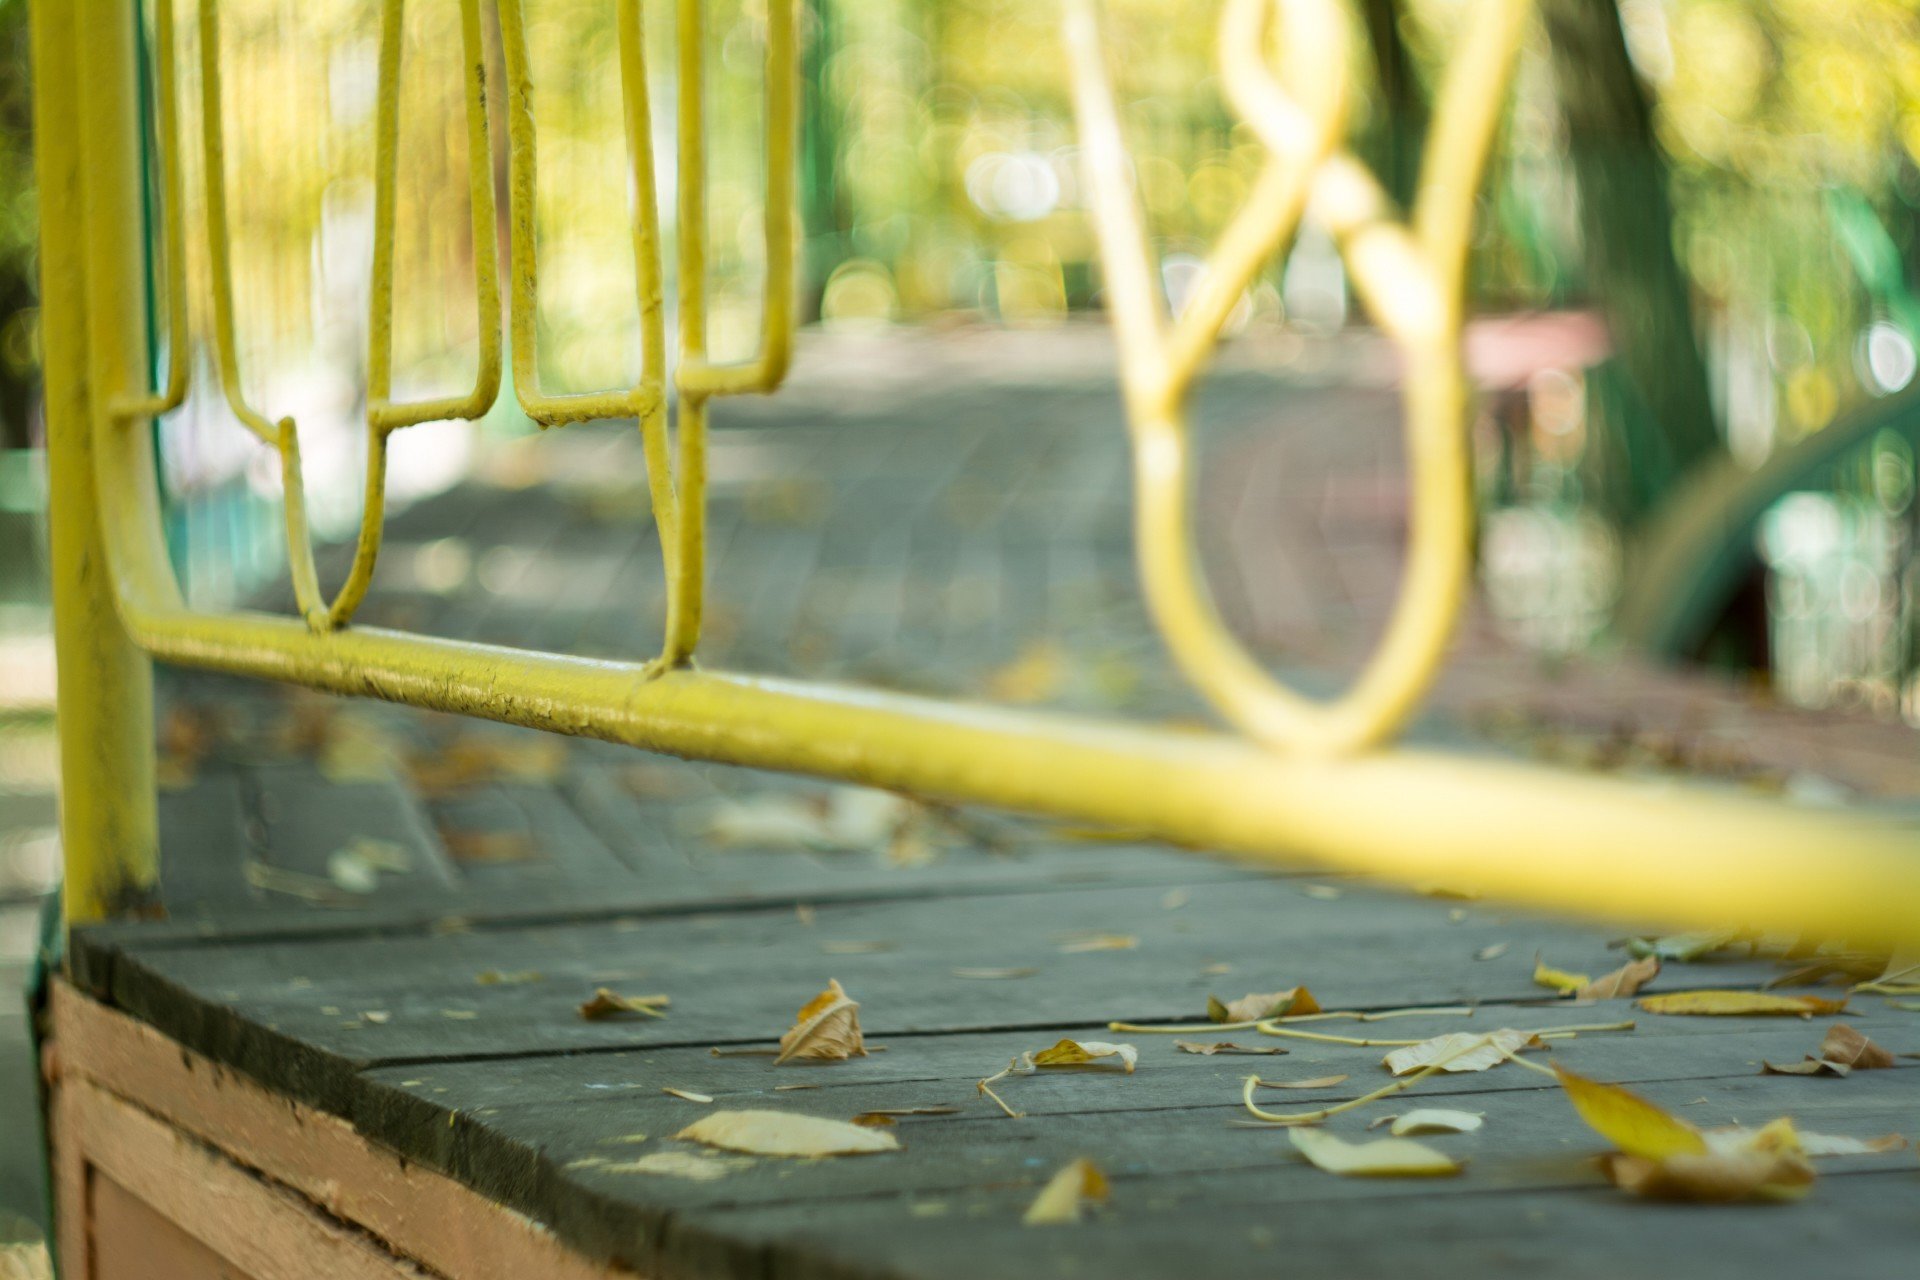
783 1133
1459 1051
1384 1158
1622 982
1068 1194
827 1028
1557 979
1085 1053
1258 1006
608 1004
686 1095
1630 1122
1753 1003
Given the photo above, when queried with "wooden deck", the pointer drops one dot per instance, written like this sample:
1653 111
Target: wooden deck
957 526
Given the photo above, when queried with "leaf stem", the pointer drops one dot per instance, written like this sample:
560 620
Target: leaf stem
1271 1028
986 1087
1315 1117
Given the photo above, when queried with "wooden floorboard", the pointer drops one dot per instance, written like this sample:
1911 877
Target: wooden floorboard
949 519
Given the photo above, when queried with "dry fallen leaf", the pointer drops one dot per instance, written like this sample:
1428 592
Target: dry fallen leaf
854 948
488 756
881 1117
1731 1003
1257 1007
691 1165
1099 942
1683 947
1382 1158
1663 1157
1068 1194
517 977
843 819
1622 982
686 1094
1809 1066
1717 1177
1038 673
783 1133
1207 1050
1629 1121
357 868
1844 1045
1783 1135
488 846
827 1029
1899 977
1085 1053
1842 1051
1317 1082
993 975
608 1004
1435 1120
1827 1144
1092 1054
1557 979
1458 1051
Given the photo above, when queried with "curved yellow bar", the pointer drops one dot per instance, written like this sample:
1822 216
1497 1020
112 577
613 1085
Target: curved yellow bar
1411 284
384 416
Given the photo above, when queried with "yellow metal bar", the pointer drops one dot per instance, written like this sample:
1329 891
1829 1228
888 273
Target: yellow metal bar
1411 285
695 378
768 366
647 393
384 416
1599 846
646 400
283 435
87 166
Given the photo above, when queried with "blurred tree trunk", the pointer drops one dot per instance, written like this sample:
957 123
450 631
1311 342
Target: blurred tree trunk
19 357
1626 221
1403 102
824 218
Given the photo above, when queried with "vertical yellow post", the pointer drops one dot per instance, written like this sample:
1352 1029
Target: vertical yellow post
90 251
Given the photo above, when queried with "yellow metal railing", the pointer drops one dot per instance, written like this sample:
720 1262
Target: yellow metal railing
1303 781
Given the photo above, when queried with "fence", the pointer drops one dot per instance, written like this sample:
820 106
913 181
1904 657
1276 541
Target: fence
1300 780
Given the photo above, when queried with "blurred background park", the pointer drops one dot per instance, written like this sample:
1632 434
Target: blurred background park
1718 201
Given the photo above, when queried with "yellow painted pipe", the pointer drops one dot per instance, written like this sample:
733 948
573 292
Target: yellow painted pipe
88 272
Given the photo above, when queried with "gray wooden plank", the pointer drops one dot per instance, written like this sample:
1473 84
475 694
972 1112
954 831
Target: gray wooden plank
537 1133
1364 950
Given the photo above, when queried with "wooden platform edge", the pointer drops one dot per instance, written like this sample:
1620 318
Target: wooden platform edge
266 1183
